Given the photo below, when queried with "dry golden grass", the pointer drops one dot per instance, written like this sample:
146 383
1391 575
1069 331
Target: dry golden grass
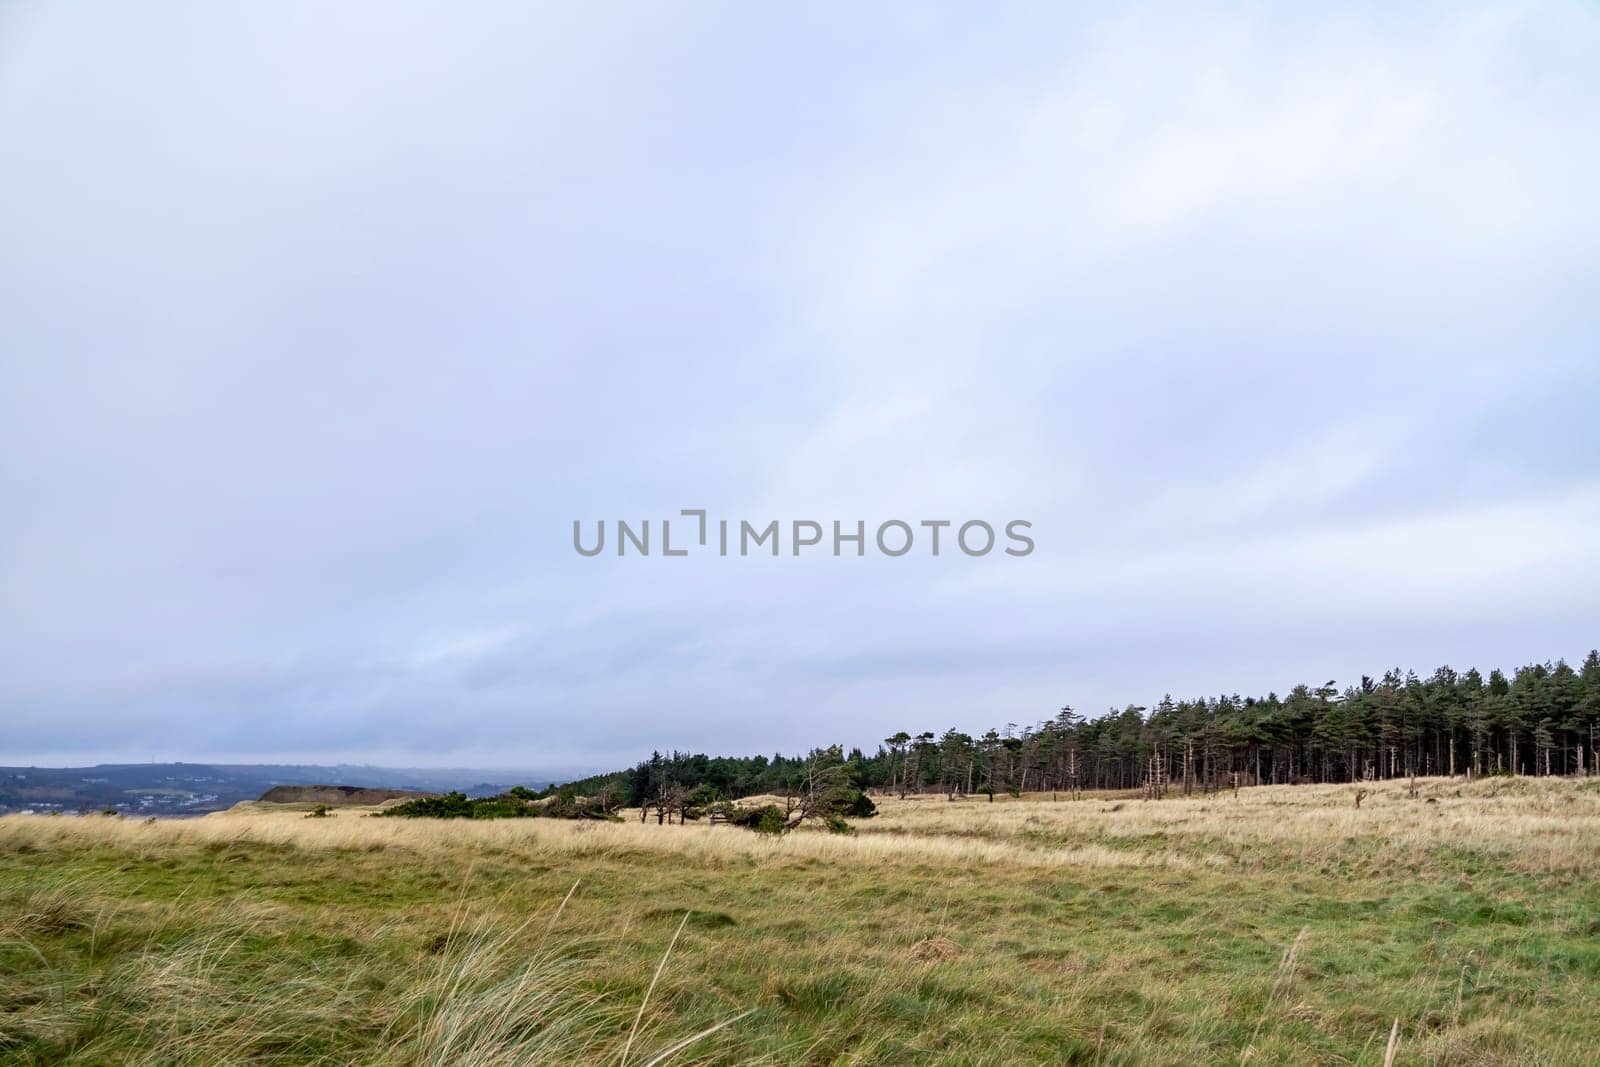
351 829
1529 819
1101 930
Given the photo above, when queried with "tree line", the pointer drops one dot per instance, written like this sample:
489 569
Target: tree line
1542 720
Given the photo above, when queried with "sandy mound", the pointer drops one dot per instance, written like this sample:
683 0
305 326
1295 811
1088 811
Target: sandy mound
338 796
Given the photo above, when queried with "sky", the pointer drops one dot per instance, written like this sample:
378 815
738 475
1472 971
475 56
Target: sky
321 324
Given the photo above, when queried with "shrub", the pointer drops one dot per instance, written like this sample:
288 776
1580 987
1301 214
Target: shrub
767 819
859 806
518 802
568 806
448 806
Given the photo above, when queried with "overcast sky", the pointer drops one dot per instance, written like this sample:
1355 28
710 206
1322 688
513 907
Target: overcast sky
320 324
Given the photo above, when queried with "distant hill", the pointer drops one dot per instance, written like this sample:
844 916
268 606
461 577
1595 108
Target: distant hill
178 789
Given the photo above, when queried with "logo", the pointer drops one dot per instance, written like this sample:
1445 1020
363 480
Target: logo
726 537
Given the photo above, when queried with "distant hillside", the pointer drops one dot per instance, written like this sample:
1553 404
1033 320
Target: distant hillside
198 788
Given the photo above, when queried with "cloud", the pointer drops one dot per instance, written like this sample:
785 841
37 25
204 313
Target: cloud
315 340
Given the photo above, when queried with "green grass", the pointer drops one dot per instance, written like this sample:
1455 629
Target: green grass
209 952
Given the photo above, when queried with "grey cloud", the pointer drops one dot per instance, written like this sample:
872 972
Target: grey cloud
319 327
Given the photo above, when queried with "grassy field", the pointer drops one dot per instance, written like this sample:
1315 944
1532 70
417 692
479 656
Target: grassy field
1284 926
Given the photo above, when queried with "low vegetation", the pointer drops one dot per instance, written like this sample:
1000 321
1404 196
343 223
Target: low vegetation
516 803
1281 925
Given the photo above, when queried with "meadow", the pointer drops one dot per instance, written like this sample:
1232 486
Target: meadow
1459 925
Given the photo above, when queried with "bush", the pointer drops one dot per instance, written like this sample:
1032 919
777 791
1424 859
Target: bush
447 806
518 802
771 819
567 806
859 806
768 819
